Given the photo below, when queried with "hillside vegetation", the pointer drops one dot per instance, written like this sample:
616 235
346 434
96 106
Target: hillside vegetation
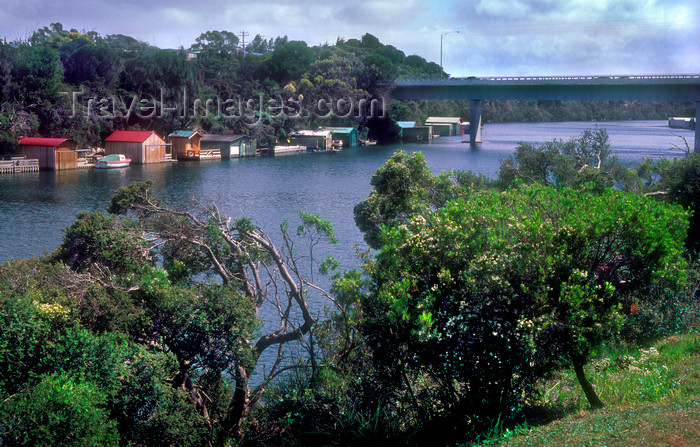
66 83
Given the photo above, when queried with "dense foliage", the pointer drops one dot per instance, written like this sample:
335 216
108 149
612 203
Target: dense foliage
486 295
473 300
403 187
123 335
84 85
142 327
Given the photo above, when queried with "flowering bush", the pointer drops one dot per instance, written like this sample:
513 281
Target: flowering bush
488 294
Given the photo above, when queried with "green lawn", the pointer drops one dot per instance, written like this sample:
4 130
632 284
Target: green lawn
652 397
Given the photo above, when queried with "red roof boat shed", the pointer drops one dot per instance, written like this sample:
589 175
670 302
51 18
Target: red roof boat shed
142 146
54 154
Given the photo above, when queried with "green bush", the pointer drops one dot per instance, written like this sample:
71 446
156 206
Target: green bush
584 162
58 411
474 303
686 192
103 242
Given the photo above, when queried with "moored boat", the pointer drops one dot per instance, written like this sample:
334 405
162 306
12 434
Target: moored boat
113 161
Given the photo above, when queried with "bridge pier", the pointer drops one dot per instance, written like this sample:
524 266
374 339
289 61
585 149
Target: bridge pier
697 132
475 123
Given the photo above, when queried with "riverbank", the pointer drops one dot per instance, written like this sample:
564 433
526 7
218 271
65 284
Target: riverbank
36 207
652 396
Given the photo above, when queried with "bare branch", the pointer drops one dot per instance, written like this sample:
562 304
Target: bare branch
656 193
686 150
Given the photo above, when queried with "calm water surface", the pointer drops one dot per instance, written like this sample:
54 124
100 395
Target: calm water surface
35 208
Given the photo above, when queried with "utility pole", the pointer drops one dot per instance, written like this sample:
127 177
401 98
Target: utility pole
243 34
441 36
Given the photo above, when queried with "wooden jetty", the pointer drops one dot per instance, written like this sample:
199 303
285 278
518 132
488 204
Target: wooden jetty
280 150
210 154
19 165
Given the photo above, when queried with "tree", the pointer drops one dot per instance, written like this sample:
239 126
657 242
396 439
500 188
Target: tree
75 367
158 314
87 60
584 161
676 181
470 305
122 43
403 188
253 271
52 36
686 192
217 64
219 44
290 60
103 244
15 122
37 70
258 45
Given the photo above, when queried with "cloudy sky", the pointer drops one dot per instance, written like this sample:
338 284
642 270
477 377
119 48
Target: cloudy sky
496 37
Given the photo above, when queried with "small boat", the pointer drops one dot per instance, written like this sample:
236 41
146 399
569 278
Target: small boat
113 161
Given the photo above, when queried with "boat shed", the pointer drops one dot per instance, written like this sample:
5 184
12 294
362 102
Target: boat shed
230 146
315 140
186 144
676 122
348 135
54 154
418 134
142 146
444 125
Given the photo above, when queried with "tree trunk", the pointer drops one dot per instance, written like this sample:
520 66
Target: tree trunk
588 390
238 407
183 381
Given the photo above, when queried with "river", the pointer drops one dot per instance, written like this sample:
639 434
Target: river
36 207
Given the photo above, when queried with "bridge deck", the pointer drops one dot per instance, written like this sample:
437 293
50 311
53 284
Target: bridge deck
678 87
582 88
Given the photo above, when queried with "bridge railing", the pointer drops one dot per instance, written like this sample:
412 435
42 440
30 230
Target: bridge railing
427 81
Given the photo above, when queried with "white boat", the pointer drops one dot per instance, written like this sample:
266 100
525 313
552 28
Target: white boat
113 161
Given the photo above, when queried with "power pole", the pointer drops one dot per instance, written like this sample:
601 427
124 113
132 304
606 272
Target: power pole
441 36
243 34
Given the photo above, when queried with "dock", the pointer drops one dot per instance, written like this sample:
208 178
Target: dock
280 150
19 165
209 154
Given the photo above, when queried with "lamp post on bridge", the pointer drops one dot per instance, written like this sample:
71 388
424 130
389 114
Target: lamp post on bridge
441 36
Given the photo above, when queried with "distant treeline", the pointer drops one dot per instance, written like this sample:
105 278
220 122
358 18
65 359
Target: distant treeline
67 83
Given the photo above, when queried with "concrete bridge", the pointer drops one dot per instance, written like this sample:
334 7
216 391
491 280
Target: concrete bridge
681 88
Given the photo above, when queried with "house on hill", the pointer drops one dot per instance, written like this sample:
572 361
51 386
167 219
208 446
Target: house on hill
185 144
142 146
54 154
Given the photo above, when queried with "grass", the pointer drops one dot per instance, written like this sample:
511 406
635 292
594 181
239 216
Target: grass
652 398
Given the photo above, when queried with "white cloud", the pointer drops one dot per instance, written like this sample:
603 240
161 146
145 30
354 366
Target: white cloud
499 37
502 8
